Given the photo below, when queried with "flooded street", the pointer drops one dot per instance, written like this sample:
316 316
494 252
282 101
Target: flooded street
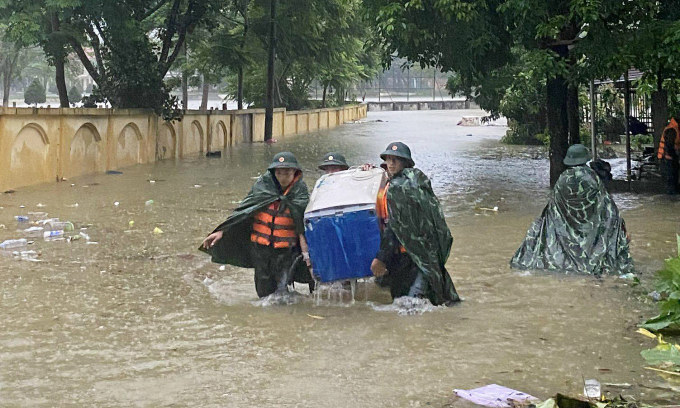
136 319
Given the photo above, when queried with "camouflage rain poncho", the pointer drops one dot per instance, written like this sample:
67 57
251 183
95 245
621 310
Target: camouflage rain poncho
234 247
417 220
579 231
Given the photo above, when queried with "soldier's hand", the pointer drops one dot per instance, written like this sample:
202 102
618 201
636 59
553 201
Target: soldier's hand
212 239
378 268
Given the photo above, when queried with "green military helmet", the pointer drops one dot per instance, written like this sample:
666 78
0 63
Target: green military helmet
284 160
577 155
398 149
333 159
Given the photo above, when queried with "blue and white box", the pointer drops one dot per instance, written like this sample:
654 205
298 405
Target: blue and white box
341 225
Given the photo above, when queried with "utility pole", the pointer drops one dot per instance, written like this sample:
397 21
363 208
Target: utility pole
593 141
434 83
627 116
408 82
269 111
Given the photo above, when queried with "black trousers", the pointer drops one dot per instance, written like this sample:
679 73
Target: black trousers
272 268
403 277
670 171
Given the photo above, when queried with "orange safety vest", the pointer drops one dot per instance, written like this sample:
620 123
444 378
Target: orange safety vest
273 228
663 153
382 212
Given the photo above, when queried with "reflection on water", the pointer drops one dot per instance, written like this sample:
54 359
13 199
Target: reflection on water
143 319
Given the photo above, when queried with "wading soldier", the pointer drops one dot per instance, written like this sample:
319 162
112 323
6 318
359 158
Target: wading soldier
265 231
415 241
580 230
333 162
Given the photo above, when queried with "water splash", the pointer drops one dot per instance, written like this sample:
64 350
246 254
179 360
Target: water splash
280 299
407 306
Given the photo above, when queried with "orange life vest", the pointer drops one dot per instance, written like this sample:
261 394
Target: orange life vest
663 152
382 212
273 228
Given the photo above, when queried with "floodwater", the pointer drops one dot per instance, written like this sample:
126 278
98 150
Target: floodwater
136 319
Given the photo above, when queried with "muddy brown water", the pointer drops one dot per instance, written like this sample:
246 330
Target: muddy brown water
144 320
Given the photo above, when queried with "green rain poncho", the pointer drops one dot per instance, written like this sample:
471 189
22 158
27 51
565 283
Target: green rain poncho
234 247
579 231
417 220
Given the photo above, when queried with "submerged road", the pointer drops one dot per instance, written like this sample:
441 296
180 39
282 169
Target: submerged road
136 319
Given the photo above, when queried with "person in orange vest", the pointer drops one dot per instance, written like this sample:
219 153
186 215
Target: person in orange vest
266 231
415 241
669 148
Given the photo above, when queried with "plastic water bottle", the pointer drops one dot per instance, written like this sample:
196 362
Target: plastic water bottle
13 243
60 225
34 231
53 234
46 221
21 218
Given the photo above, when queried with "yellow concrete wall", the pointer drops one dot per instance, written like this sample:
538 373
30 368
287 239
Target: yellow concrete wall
313 120
278 123
258 126
332 118
41 145
291 123
323 119
303 122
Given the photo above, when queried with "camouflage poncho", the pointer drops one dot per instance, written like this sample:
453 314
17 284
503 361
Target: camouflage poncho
417 220
579 231
234 247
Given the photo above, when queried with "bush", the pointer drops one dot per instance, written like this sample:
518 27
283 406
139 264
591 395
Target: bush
74 94
521 134
668 286
35 93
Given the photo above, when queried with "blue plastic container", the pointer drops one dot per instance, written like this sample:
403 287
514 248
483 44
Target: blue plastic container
342 246
341 226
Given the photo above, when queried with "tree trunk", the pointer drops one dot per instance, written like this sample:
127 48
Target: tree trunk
7 78
323 98
204 96
659 111
185 82
59 61
573 115
558 122
239 95
269 111
5 90
60 81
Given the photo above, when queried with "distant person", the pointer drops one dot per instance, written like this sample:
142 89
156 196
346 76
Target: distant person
266 230
580 230
415 241
333 162
669 148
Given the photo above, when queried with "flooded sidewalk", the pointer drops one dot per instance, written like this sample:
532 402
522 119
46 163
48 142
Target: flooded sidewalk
132 317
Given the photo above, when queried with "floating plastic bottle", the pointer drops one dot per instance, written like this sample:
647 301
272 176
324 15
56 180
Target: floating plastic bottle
21 218
60 225
53 234
34 231
46 221
13 243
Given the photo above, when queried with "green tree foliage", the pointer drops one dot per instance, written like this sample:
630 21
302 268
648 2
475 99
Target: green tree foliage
566 42
317 40
35 93
74 94
668 286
